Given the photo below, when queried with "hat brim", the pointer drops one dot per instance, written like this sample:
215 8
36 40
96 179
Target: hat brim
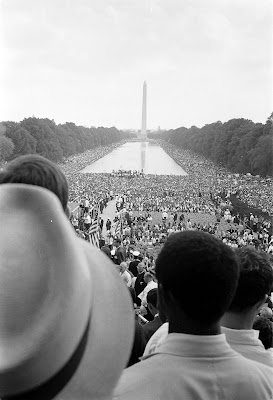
110 334
94 365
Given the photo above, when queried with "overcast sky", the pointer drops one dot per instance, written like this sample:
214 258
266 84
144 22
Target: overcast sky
85 61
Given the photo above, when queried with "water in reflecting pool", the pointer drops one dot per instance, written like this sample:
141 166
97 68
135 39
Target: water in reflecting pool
145 156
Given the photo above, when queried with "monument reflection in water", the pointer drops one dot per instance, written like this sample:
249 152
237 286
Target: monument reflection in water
137 156
143 156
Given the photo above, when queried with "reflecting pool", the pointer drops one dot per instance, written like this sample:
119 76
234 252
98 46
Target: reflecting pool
137 156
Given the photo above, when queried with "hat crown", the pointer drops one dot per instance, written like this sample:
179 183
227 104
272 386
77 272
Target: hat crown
44 278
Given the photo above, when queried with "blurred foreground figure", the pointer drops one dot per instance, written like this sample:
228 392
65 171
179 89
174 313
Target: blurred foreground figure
66 319
197 277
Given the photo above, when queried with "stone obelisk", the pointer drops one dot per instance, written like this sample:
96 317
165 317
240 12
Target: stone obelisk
144 111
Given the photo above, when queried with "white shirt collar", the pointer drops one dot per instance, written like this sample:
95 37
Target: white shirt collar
194 345
244 336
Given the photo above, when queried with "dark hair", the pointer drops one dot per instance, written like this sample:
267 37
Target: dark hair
118 240
36 170
265 327
255 280
200 272
152 297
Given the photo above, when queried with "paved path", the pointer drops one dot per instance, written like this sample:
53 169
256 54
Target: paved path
108 212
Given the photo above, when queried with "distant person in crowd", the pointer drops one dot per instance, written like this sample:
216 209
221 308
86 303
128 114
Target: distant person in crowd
87 221
133 295
108 224
140 282
86 204
138 345
105 249
125 274
150 284
254 286
266 312
164 216
195 361
188 224
33 169
120 253
58 309
139 338
75 222
134 263
156 339
152 303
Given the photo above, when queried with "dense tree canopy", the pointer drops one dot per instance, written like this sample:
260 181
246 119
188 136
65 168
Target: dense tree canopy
6 148
44 137
239 144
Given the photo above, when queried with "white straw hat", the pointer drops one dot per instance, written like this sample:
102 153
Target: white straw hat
66 318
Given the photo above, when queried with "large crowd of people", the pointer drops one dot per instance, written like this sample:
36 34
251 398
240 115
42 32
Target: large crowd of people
153 206
179 304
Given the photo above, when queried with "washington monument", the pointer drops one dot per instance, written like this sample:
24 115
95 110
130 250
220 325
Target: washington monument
144 111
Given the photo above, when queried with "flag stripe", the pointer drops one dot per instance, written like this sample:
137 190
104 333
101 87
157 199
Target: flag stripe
94 234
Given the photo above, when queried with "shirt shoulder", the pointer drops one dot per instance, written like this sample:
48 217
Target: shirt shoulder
164 376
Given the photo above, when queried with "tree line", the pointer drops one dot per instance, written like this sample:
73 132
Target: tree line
55 142
240 145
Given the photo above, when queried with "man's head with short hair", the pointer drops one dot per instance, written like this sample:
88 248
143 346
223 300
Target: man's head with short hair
140 267
148 277
197 275
152 301
123 267
34 169
255 280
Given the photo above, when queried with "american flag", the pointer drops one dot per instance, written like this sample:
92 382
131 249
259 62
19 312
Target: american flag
118 229
94 234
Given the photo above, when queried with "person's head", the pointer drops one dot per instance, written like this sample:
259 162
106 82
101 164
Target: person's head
265 328
140 267
148 277
152 301
255 280
117 242
197 276
136 254
36 170
266 312
123 267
